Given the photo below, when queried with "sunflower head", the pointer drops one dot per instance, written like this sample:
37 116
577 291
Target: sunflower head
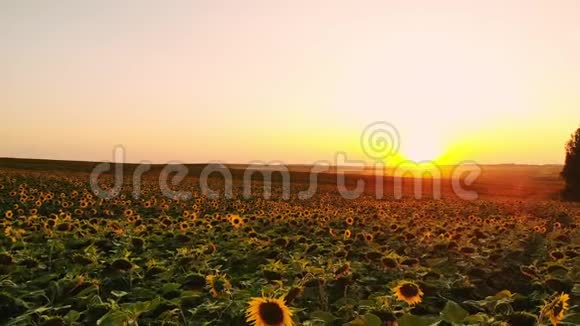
556 307
292 294
347 234
390 262
268 312
556 255
409 292
183 226
343 270
236 221
218 285
368 237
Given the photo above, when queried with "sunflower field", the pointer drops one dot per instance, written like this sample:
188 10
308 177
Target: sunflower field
70 257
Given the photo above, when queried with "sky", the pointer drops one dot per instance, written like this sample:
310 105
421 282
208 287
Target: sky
297 81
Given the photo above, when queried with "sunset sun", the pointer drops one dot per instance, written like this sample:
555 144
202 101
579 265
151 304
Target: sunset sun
423 147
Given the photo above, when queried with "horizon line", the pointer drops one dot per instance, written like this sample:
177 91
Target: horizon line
268 163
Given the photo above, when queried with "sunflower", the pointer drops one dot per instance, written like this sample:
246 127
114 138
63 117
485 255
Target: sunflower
210 249
427 235
268 312
217 284
236 221
183 226
556 255
349 220
342 271
347 234
556 307
8 214
118 230
390 262
409 292
292 294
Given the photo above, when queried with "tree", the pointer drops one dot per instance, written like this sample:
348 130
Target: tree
571 171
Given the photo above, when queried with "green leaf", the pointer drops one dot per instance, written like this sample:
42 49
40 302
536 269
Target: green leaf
170 287
72 316
372 320
366 320
113 318
572 319
324 316
44 279
346 301
477 319
138 308
40 310
412 320
434 262
118 294
453 312
366 303
358 321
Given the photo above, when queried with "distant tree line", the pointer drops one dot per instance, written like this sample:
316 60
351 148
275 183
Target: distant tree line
571 171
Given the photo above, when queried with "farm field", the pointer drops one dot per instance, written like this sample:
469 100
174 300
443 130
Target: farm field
69 257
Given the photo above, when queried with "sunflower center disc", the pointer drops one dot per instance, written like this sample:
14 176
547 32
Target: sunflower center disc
271 313
409 291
